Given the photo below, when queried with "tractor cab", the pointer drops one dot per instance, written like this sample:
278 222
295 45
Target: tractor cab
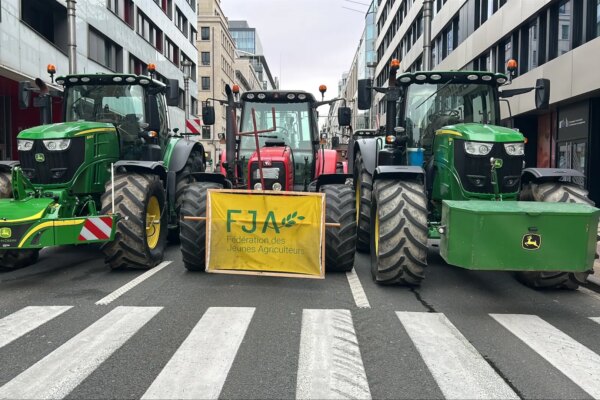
134 105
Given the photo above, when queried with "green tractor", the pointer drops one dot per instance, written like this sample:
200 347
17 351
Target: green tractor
112 173
447 170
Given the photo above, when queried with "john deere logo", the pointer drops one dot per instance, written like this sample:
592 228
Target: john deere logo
532 241
39 157
5 233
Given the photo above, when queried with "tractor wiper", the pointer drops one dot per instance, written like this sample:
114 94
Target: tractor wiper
436 92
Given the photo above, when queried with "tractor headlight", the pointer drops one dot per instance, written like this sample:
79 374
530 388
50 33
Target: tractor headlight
478 148
277 186
24 145
257 186
514 149
57 144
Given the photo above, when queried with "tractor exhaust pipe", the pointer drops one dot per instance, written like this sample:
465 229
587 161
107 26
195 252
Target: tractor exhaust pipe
72 34
230 133
427 17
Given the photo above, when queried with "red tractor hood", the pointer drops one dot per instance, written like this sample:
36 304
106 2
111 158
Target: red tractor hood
274 157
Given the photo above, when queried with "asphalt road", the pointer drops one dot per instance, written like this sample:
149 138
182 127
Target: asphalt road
178 334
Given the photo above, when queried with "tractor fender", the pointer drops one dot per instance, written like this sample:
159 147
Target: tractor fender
181 152
326 162
400 172
144 167
7 166
212 177
548 174
332 179
368 149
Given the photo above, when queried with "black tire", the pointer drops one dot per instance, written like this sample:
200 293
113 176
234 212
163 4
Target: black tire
14 259
398 232
5 185
554 192
193 233
194 163
130 249
340 243
364 187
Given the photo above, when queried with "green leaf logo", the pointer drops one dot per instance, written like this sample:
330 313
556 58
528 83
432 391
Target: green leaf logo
290 220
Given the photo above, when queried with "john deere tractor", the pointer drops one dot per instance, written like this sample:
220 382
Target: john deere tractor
293 158
112 173
446 169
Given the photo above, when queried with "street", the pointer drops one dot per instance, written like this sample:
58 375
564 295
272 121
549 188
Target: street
69 327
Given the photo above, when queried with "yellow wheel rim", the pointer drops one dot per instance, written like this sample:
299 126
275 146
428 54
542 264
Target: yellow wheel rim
376 233
152 222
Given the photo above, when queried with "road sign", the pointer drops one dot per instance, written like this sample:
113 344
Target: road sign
193 125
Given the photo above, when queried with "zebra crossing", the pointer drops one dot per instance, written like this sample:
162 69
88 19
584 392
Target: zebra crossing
329 358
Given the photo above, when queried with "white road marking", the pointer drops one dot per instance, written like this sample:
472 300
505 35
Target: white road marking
123 289
25 320
589 292
330 364
199 367
57 374
360 297
573 359
596 319
459 370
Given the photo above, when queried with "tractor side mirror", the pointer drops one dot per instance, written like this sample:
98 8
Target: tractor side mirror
364 94
208 115
173 93
542 94
344 116
24 95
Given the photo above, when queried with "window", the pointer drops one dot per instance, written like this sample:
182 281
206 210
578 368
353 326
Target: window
181 22
122 9
206 132
532 57
192 71
205 33
48 19
205 84
149 31
193 35
193 106
205 58
136 66
104 51
564 26
172 52
507 53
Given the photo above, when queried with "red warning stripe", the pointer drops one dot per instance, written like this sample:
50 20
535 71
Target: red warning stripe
96 228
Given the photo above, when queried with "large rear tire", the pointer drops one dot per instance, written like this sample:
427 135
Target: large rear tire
141 235
5 185
184 177
555 192
398 232
364 187
340 243
193 233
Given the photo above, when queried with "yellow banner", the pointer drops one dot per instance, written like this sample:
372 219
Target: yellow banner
266 232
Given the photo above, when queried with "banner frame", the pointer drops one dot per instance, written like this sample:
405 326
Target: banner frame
265 273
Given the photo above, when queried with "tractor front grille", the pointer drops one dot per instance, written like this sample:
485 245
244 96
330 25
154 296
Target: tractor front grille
475 171
45 167
270 178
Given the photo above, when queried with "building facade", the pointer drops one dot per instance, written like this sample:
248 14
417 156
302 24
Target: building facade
554 39
112 36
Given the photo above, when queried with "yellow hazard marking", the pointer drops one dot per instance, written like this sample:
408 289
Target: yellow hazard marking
48 224
31 218
95 130
448 132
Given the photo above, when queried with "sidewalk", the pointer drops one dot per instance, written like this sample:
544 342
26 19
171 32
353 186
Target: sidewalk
595 278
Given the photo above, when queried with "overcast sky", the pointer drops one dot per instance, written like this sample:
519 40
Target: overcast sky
306 42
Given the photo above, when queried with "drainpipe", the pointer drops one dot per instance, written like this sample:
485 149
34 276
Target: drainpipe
72 36
427 17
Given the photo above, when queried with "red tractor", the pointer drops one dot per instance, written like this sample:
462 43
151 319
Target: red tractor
284 152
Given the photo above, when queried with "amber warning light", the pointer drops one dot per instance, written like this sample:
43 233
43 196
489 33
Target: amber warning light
395 63
235 89
151 67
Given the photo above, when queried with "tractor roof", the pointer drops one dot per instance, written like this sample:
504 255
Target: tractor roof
108 79
437 77
270 96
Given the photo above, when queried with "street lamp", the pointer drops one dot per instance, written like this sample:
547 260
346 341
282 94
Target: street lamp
187 72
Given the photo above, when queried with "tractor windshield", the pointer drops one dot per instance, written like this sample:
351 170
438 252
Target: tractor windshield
292 122
429 107
105 103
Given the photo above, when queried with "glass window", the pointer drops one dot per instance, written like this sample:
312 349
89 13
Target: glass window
104 103
205 33
565 11
206 132
507 54
205 57
205 83
104 51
